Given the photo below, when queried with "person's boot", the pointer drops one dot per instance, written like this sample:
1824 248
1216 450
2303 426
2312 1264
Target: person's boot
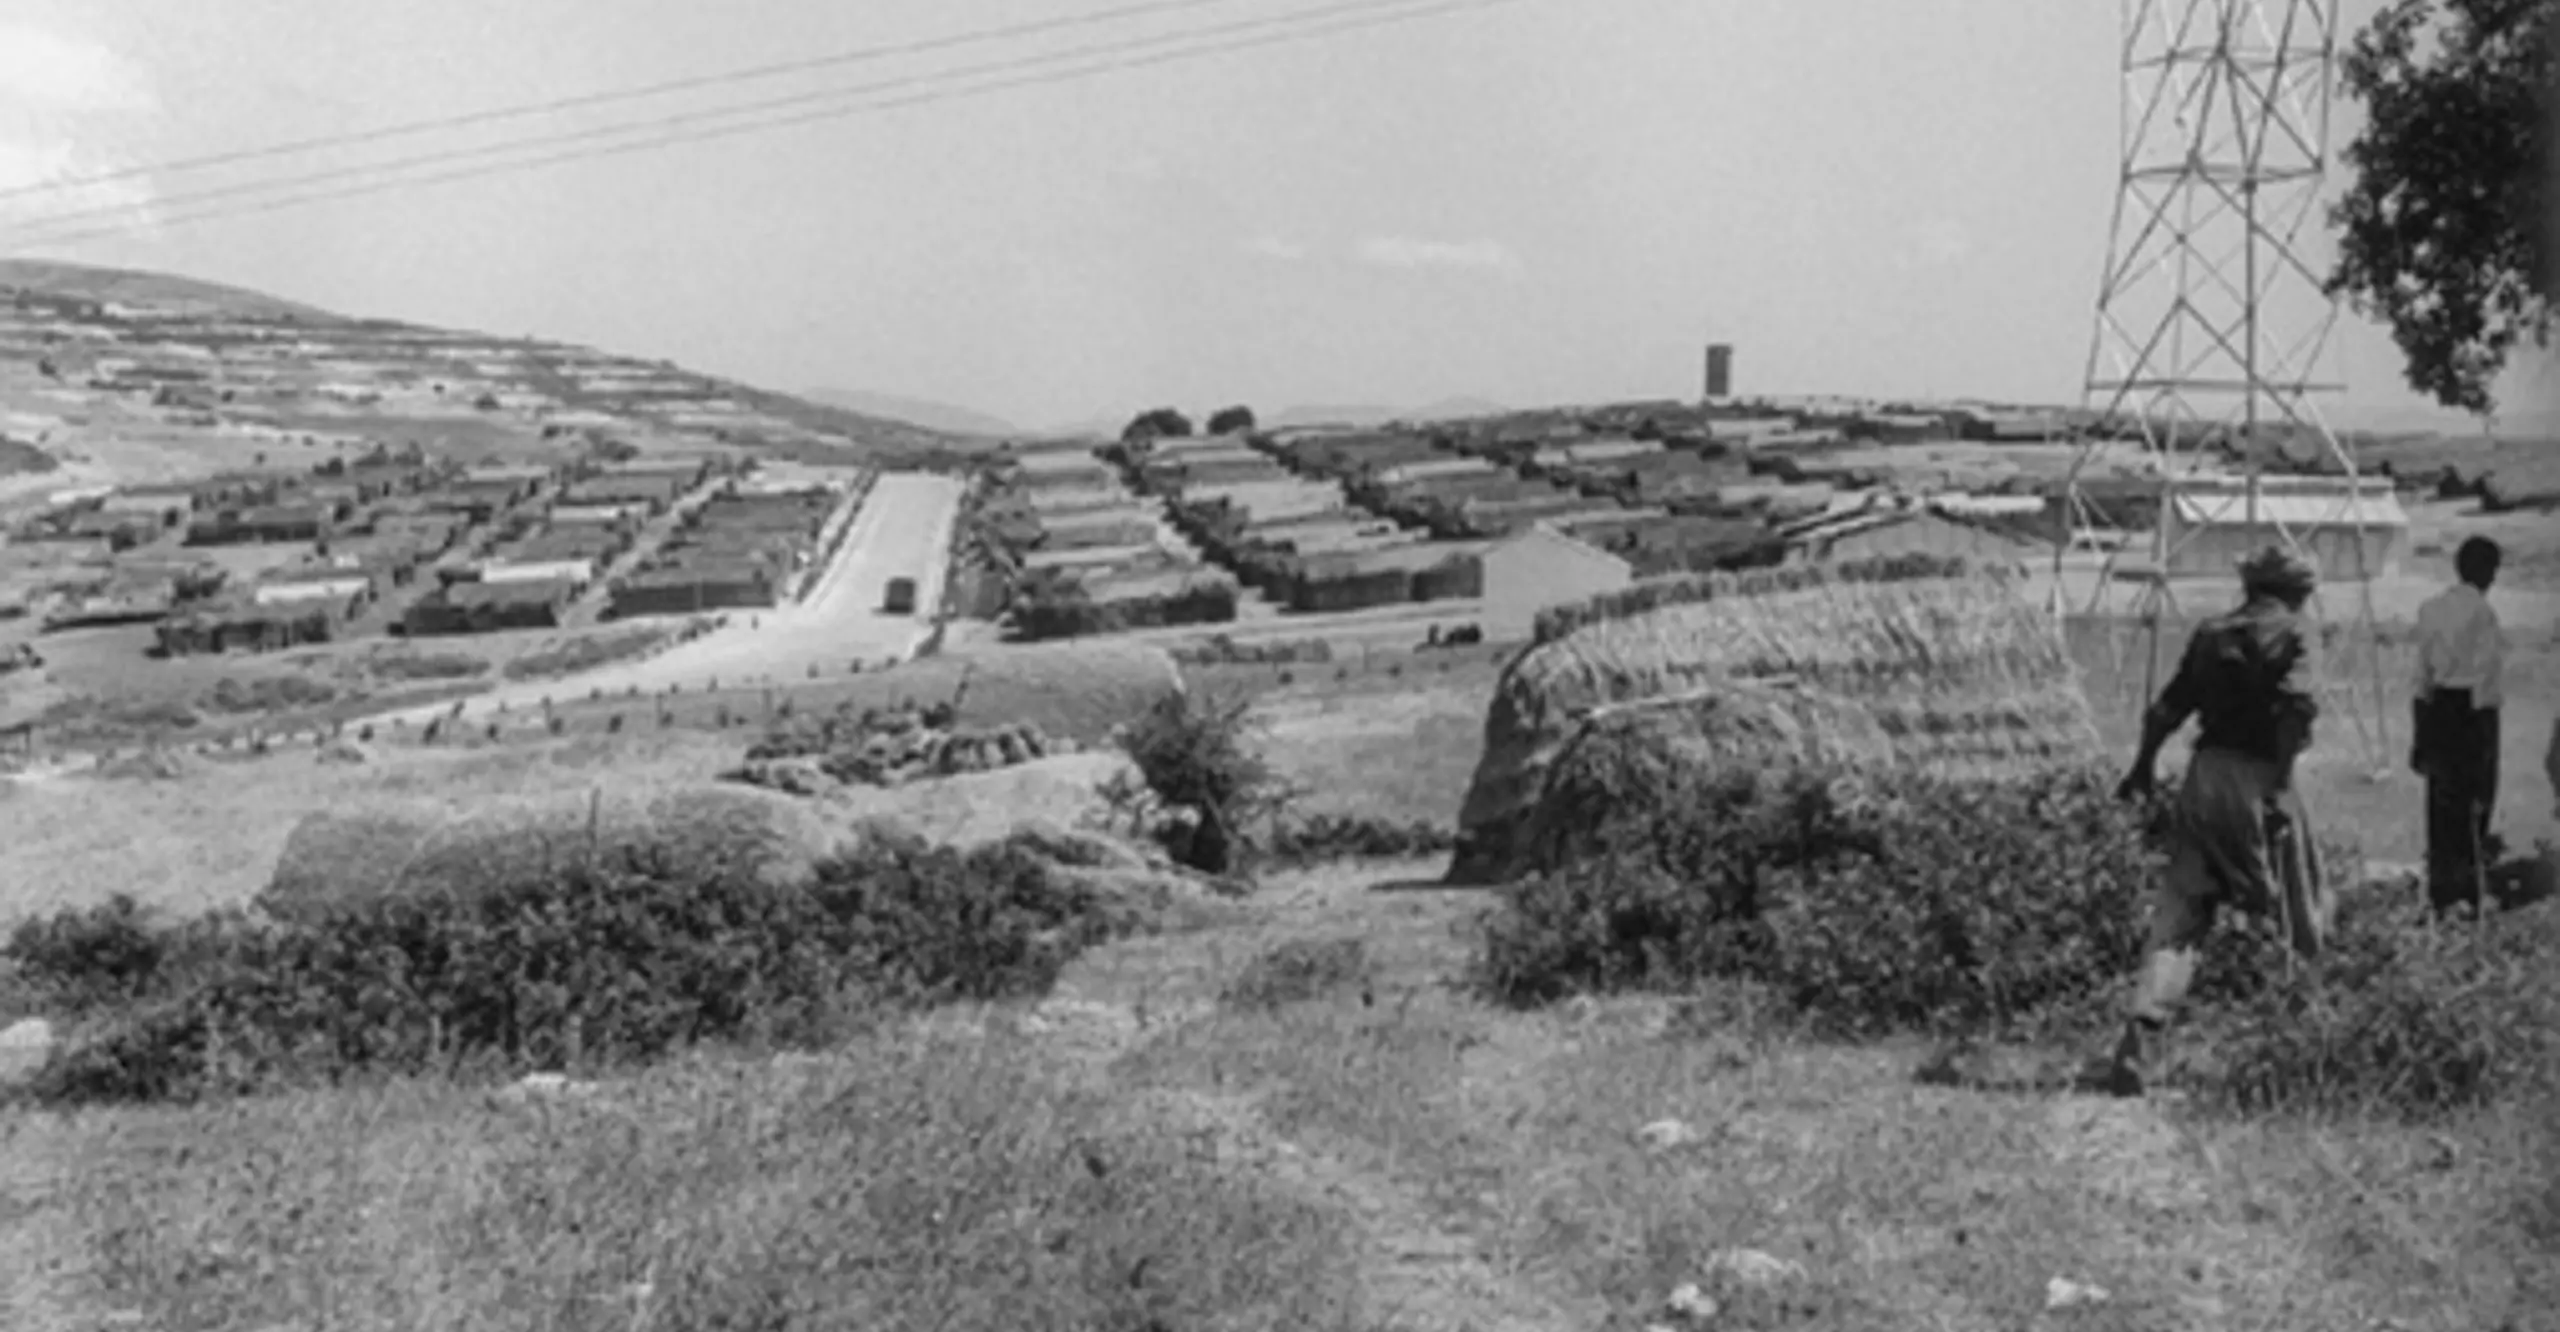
2121 1072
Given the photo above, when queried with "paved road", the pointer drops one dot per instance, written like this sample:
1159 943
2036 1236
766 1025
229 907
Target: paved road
904 530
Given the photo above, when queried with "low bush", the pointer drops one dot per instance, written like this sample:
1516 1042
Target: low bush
1054 613
2014 909
1322 837
2404 1015
594 961
1939 905
571 656
1224 650
273 693
78 961
424 666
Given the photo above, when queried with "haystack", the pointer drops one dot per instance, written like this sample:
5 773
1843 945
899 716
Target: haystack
364 850
1912 664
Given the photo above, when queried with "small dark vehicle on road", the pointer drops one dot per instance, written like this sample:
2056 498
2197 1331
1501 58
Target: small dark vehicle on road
901 599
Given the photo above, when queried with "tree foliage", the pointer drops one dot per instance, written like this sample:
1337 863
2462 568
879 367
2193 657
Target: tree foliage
1158 423
2443 231
1231 420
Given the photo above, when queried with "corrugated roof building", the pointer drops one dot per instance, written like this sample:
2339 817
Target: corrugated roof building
2210 527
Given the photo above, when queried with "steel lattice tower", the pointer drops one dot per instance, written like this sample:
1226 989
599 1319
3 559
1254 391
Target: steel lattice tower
2213 324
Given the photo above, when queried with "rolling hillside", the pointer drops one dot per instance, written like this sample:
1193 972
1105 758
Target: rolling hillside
159 291
127 378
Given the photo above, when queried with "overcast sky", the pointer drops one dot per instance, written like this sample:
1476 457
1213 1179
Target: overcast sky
1551 200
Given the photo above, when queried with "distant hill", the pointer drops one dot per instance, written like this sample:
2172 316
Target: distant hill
160 291
1447 409
923 412
124 378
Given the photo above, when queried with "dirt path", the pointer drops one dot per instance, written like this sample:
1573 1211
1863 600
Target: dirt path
1416 1275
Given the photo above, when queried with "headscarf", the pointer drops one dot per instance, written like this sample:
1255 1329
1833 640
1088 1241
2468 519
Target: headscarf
2278 571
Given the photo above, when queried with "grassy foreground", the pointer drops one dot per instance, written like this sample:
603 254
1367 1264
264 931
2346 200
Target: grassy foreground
1297 1115
1177 1138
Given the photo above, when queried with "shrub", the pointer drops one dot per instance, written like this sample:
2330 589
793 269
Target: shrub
580 654
2402 1015
424 666
579 962
1196 753
79 960
1326 837
267 694
1941 905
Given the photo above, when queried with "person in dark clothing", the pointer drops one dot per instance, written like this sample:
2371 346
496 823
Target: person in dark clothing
2238 834
2461 661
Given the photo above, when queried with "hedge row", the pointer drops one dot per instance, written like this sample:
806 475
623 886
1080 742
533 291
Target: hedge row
600 961
2014 909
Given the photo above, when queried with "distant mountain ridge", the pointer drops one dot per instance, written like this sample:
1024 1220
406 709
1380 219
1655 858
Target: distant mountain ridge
1446 409
924 412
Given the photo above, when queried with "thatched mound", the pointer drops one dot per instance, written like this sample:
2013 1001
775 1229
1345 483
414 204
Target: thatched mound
386 847
1625 760
1925 664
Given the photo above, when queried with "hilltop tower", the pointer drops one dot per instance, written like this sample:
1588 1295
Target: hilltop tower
2210 345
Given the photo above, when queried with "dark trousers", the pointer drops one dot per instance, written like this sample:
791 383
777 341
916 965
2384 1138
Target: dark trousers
2457 749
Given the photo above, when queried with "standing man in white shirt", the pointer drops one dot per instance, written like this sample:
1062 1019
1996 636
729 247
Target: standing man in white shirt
2461 661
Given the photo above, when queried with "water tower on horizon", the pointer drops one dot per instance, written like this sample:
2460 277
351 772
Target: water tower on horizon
1719 371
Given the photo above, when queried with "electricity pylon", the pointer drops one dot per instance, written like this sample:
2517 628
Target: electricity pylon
2212 329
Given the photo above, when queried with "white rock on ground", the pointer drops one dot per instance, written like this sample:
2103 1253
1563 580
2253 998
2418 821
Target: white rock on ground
24 1046
1692 1303
2065 1293
1751 1267
1664 1135
548 1085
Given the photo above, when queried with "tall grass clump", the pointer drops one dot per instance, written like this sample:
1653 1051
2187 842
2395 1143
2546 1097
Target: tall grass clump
609 959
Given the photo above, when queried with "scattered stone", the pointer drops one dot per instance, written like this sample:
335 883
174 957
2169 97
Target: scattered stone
1692 1303
1663 1135
2065 1293
553 1086
24 1046
1754 1269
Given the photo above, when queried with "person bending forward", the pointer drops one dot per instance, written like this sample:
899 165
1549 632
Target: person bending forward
2238 835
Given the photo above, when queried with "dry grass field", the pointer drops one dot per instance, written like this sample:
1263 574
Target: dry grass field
1363 1150
1356 1144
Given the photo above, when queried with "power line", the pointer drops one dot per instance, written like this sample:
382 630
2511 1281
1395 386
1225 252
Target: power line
553 106
1292 26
